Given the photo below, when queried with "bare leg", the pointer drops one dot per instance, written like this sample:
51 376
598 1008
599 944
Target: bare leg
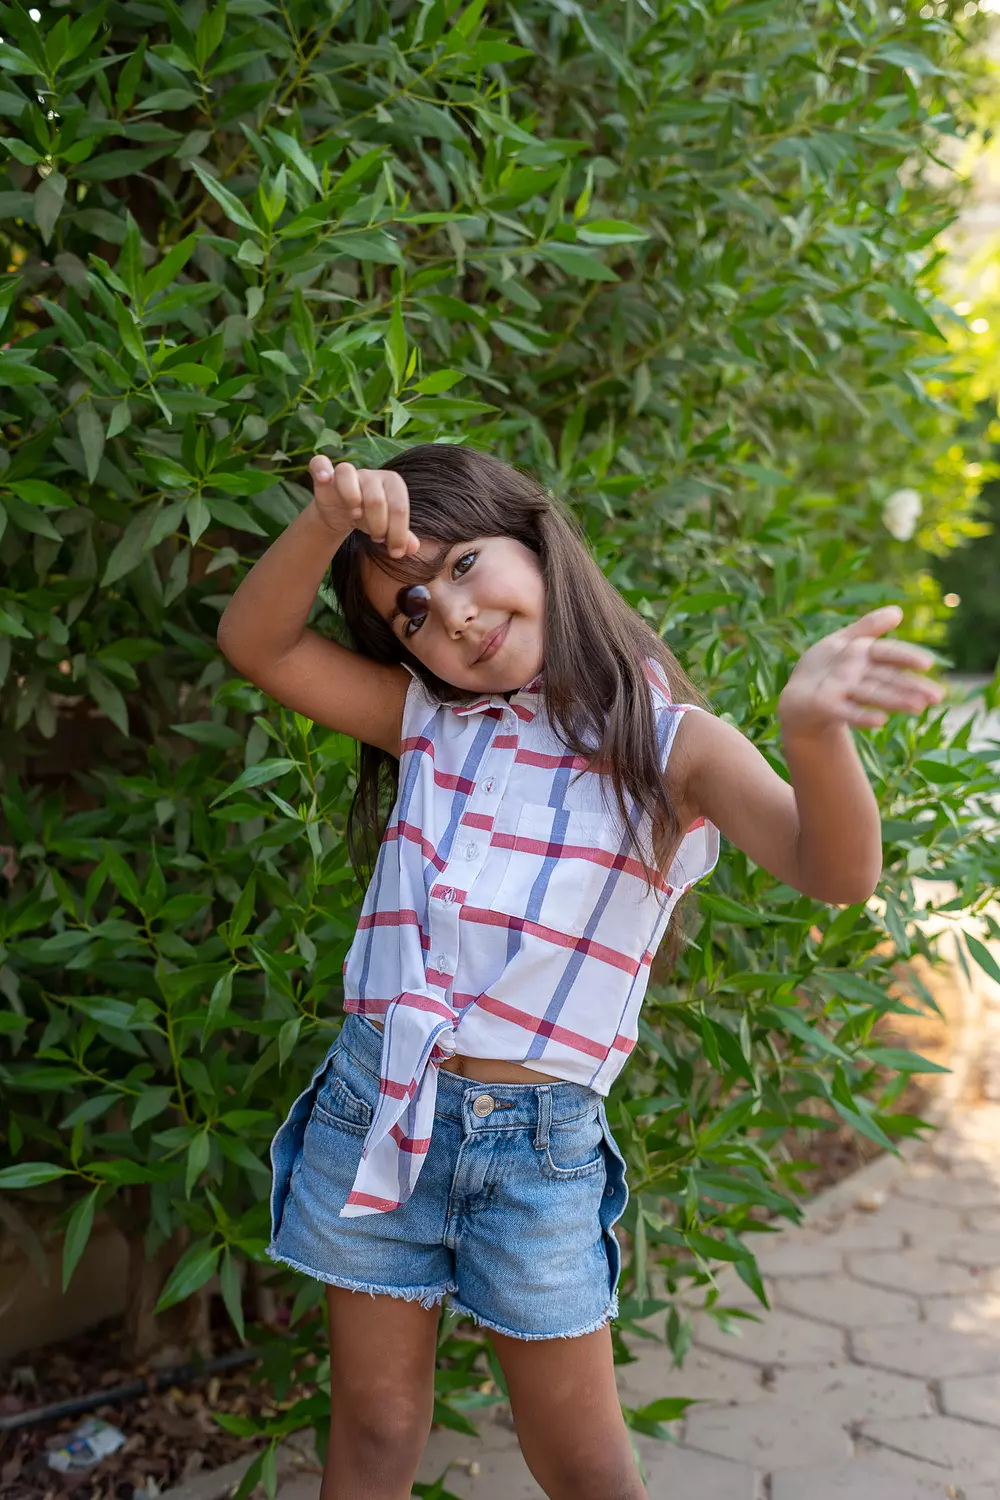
382 1353
568 1416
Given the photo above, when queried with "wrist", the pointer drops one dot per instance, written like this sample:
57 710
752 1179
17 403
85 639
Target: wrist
334 533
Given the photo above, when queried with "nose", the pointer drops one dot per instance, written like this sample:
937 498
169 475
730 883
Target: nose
457 611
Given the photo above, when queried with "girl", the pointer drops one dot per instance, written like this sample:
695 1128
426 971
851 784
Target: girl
557 786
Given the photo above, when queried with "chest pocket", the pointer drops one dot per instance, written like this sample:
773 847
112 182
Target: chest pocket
562 871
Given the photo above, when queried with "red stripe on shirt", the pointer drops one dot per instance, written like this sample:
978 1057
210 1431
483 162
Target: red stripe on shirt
583 945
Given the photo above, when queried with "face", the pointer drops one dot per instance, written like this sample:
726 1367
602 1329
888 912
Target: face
479 622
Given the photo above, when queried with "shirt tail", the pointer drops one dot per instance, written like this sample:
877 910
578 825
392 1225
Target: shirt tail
419 1031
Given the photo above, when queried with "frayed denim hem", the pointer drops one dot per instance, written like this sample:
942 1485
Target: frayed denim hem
609 1314
429 1297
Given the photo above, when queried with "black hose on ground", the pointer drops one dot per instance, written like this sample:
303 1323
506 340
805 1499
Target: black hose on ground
155 1381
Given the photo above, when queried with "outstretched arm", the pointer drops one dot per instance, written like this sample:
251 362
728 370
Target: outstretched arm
821 834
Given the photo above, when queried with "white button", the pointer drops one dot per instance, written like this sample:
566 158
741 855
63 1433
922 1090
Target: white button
483 1106
472 851
441 963
489 784
446 1043
446 893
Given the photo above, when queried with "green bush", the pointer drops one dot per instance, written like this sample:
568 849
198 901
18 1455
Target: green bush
678 259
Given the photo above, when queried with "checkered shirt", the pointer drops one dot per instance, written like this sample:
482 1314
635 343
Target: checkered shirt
507 917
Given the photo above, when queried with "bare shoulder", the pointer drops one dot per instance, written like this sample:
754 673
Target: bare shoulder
709 754
335 687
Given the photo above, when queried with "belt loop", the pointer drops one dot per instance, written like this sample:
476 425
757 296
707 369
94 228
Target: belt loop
544 1095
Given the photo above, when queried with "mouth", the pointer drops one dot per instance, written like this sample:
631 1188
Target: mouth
493 642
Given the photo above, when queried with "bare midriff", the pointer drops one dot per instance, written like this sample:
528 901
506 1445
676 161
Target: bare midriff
489 1069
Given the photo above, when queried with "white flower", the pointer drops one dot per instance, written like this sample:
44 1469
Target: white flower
901 512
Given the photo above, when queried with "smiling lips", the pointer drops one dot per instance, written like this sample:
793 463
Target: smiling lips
493 642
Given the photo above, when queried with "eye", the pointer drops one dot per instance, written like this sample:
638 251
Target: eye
411 627
463 564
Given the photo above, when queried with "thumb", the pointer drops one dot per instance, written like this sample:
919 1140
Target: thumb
876 622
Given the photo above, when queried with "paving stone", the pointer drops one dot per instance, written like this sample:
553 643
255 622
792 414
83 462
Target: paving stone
865 1232
798 1257
985 1221
496 1471
981 1491
782 1338
921 1221
912 1469
982 1250
945 1191
677 1472
852 1393
702 1377
857 1480
302 1487
918 1271
979 1315
965 1450
768 1434
975 1397
928 1352
846 1303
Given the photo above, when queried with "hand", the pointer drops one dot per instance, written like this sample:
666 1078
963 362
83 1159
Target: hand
853 677
372 500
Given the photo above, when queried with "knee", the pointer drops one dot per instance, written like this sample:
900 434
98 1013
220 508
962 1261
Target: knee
386 1430
593 1477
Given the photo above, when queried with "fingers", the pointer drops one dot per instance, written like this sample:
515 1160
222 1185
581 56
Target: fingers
895 691
876 621
374 500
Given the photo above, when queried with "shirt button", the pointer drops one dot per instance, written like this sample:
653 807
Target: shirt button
445 893
441 963
489 785
472 851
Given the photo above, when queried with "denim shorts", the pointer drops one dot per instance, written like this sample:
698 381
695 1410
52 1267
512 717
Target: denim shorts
512 1215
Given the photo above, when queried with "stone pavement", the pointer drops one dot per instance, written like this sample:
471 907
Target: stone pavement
876 1376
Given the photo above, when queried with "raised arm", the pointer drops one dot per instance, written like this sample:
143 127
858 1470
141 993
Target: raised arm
822 833
263 631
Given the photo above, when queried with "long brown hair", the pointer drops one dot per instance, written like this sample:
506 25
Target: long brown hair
596 692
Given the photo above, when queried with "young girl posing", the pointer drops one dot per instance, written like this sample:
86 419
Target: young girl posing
557 788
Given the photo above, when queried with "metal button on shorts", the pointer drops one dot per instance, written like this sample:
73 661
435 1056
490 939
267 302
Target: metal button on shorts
484 1105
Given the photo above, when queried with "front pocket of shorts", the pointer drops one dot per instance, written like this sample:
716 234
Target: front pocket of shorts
574 1150
338 1106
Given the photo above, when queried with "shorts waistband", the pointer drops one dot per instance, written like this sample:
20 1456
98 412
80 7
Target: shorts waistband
512 1105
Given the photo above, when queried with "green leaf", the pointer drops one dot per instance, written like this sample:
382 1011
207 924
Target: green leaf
576 262
902 1060
294 153
610 232
50 195
982 955
160 277
227 201
91 430
198 1155
16 371
232 1295
81 1221
28 1174
195 1267
907 307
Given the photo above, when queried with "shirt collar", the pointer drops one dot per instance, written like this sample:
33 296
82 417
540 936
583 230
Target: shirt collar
464 709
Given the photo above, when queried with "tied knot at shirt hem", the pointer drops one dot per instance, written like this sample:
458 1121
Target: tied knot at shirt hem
418 1033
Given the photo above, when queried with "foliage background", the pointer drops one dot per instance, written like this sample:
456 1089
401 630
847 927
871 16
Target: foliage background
679 258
